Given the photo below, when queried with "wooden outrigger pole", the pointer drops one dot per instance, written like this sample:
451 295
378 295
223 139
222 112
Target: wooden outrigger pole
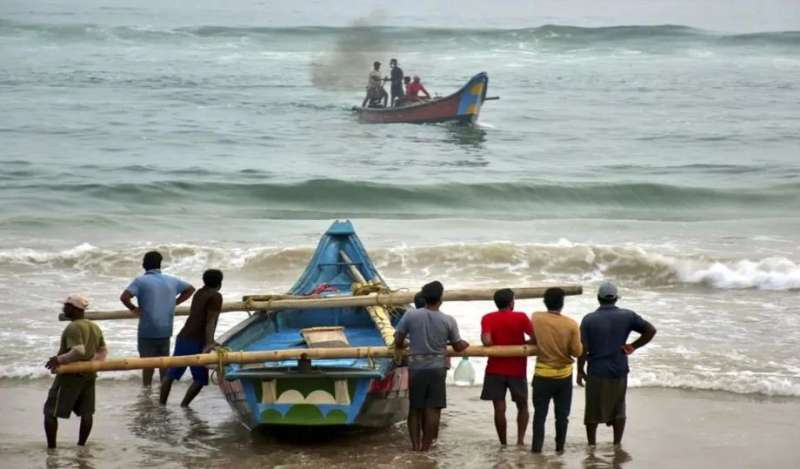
396 298
223 357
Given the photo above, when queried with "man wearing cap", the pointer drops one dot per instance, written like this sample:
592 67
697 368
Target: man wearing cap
604 334
81 340
157 295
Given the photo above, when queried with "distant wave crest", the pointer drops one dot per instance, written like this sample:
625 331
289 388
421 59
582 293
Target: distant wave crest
332 198
546 34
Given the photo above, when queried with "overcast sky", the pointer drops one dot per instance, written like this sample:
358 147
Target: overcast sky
721 15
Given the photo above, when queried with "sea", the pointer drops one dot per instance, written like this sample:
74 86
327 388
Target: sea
661 157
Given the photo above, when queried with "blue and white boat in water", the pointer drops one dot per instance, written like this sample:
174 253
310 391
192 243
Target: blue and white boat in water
357 392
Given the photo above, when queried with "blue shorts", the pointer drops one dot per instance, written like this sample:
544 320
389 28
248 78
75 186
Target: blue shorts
189 347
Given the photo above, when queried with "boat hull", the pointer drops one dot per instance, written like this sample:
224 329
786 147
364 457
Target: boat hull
358 392
462 106
319 401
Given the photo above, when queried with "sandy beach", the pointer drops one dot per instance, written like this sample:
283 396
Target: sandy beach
667 428
652 144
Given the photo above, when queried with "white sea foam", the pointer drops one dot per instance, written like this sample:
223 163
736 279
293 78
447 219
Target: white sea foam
773 273
636 265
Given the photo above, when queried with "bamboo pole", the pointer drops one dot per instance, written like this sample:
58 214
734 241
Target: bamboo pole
375 299
224 357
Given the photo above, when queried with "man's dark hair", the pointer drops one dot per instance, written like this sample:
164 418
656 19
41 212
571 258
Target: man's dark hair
503 298
554 299
71 312
212 278
606 301
419 300
432 292
376 64
152 260
393 61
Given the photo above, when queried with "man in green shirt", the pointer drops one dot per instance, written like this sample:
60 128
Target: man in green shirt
81 340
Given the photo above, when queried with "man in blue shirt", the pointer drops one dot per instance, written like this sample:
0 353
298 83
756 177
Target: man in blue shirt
604 334
157 295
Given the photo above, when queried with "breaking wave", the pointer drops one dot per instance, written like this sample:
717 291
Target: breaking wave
635 266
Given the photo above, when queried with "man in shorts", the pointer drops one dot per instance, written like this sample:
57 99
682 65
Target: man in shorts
604 334
429 332
81 340
157 295
506 327
197 336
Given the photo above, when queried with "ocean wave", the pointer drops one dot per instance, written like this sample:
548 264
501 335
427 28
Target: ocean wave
555 35
334 198
498 261
739 382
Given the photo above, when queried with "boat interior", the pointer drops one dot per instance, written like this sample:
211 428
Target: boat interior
330 273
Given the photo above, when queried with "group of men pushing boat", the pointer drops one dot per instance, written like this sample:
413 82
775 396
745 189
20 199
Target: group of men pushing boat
404 89
601 340
156 294
424 330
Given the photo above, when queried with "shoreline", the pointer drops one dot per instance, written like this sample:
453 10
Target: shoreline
666 428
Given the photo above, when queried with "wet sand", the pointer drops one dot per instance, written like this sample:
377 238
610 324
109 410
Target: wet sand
667 428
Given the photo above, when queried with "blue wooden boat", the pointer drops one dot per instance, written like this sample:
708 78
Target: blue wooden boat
332 392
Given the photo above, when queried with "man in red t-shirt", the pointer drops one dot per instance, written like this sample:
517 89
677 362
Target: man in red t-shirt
507 327
414 88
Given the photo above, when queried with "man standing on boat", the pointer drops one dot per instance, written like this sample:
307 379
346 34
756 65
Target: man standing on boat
375 91
197 336
81 340
429 331
396 77
559 341
605 334
157 295
506 327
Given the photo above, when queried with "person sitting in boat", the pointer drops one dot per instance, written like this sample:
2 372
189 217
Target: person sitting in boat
376 95
414 88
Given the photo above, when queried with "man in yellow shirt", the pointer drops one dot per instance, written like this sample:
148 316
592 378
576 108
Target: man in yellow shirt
559 341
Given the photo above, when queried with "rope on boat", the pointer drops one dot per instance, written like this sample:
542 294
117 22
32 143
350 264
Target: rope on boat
222 354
